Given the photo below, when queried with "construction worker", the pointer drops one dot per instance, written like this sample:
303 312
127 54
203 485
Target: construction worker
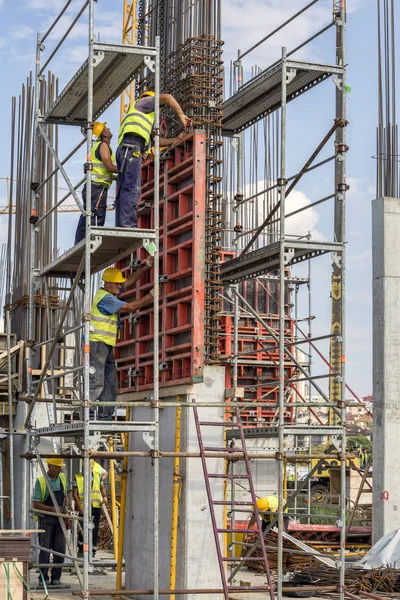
268 509
53 537
99 497
104 326
102 177
133 140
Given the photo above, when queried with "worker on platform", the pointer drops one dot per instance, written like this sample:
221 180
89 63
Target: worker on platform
268 510
53 536
99 497
104 329
133 140
102 175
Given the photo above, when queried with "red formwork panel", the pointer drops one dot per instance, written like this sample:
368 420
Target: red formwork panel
182 260
258 369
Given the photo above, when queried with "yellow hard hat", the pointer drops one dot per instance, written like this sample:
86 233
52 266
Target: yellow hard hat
112 275
147 93
57 462
262 504
98 127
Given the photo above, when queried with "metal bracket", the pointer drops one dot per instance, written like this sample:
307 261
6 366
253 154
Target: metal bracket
289 254
148 438
290 74
98 57
338 81
95 243
337 259
150 63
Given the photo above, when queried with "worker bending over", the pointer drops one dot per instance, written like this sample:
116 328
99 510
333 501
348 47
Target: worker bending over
134 139
268 509
104 329
99 497
53 537
103 168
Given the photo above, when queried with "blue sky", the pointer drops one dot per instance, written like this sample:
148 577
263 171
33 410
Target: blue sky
243 24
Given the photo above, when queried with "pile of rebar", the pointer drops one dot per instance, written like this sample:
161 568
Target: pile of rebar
384 580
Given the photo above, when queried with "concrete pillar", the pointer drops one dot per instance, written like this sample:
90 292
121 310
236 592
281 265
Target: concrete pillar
386 365
197 564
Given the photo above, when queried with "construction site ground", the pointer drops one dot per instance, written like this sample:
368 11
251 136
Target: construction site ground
107 582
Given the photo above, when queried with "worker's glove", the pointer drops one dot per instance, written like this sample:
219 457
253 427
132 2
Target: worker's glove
151 292
68 524
150 262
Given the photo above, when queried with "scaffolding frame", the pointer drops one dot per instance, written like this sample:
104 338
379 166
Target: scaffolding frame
266 92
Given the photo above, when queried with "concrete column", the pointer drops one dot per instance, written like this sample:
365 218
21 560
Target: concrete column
386 365
197 564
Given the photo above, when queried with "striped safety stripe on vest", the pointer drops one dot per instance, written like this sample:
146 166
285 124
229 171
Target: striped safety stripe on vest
136 123
103 328
96 492
100 175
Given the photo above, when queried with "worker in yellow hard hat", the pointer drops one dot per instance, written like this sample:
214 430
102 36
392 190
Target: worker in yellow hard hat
104 327
134 138
268 510
102 174
53 537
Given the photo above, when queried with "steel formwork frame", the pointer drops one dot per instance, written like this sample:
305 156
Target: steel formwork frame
86 259
269 91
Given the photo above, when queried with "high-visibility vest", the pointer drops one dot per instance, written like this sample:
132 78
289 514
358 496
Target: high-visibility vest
43 489
96 483
103 328
100 175
136 123
273 508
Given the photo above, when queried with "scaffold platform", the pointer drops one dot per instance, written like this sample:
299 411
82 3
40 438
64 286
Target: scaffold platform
115 66
108 245
267 259
77 428
262 95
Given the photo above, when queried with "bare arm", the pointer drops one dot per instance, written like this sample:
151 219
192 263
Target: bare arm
170 141
40 506
106 158
172 103
78 504
136 304
103 494
136 275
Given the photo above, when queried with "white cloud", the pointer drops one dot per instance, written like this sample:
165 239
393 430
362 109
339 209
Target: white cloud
21 32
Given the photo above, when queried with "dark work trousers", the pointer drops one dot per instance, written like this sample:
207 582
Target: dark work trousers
129 162
103 383
53 539
265 524
96 516
98 208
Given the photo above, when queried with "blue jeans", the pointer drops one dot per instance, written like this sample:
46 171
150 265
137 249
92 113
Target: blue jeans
129 162
98 207
103 382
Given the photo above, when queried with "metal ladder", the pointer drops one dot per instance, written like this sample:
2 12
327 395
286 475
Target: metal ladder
223 560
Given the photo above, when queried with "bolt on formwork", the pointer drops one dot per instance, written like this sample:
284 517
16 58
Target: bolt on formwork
257 221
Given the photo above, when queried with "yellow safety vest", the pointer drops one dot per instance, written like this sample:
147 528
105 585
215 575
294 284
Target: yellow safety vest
43 488
103 328
273 508
137 123
96 493
100 175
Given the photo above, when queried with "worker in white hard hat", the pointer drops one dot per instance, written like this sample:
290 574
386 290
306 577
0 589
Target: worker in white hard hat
102 175
104 328
52 538
134 138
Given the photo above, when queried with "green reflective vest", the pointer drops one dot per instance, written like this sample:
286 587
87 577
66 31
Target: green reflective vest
136 123
103 328
43 485
96 483
100 175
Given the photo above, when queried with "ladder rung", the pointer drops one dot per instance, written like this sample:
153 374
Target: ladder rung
218 424
242 558
238 530
233 502
226 476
